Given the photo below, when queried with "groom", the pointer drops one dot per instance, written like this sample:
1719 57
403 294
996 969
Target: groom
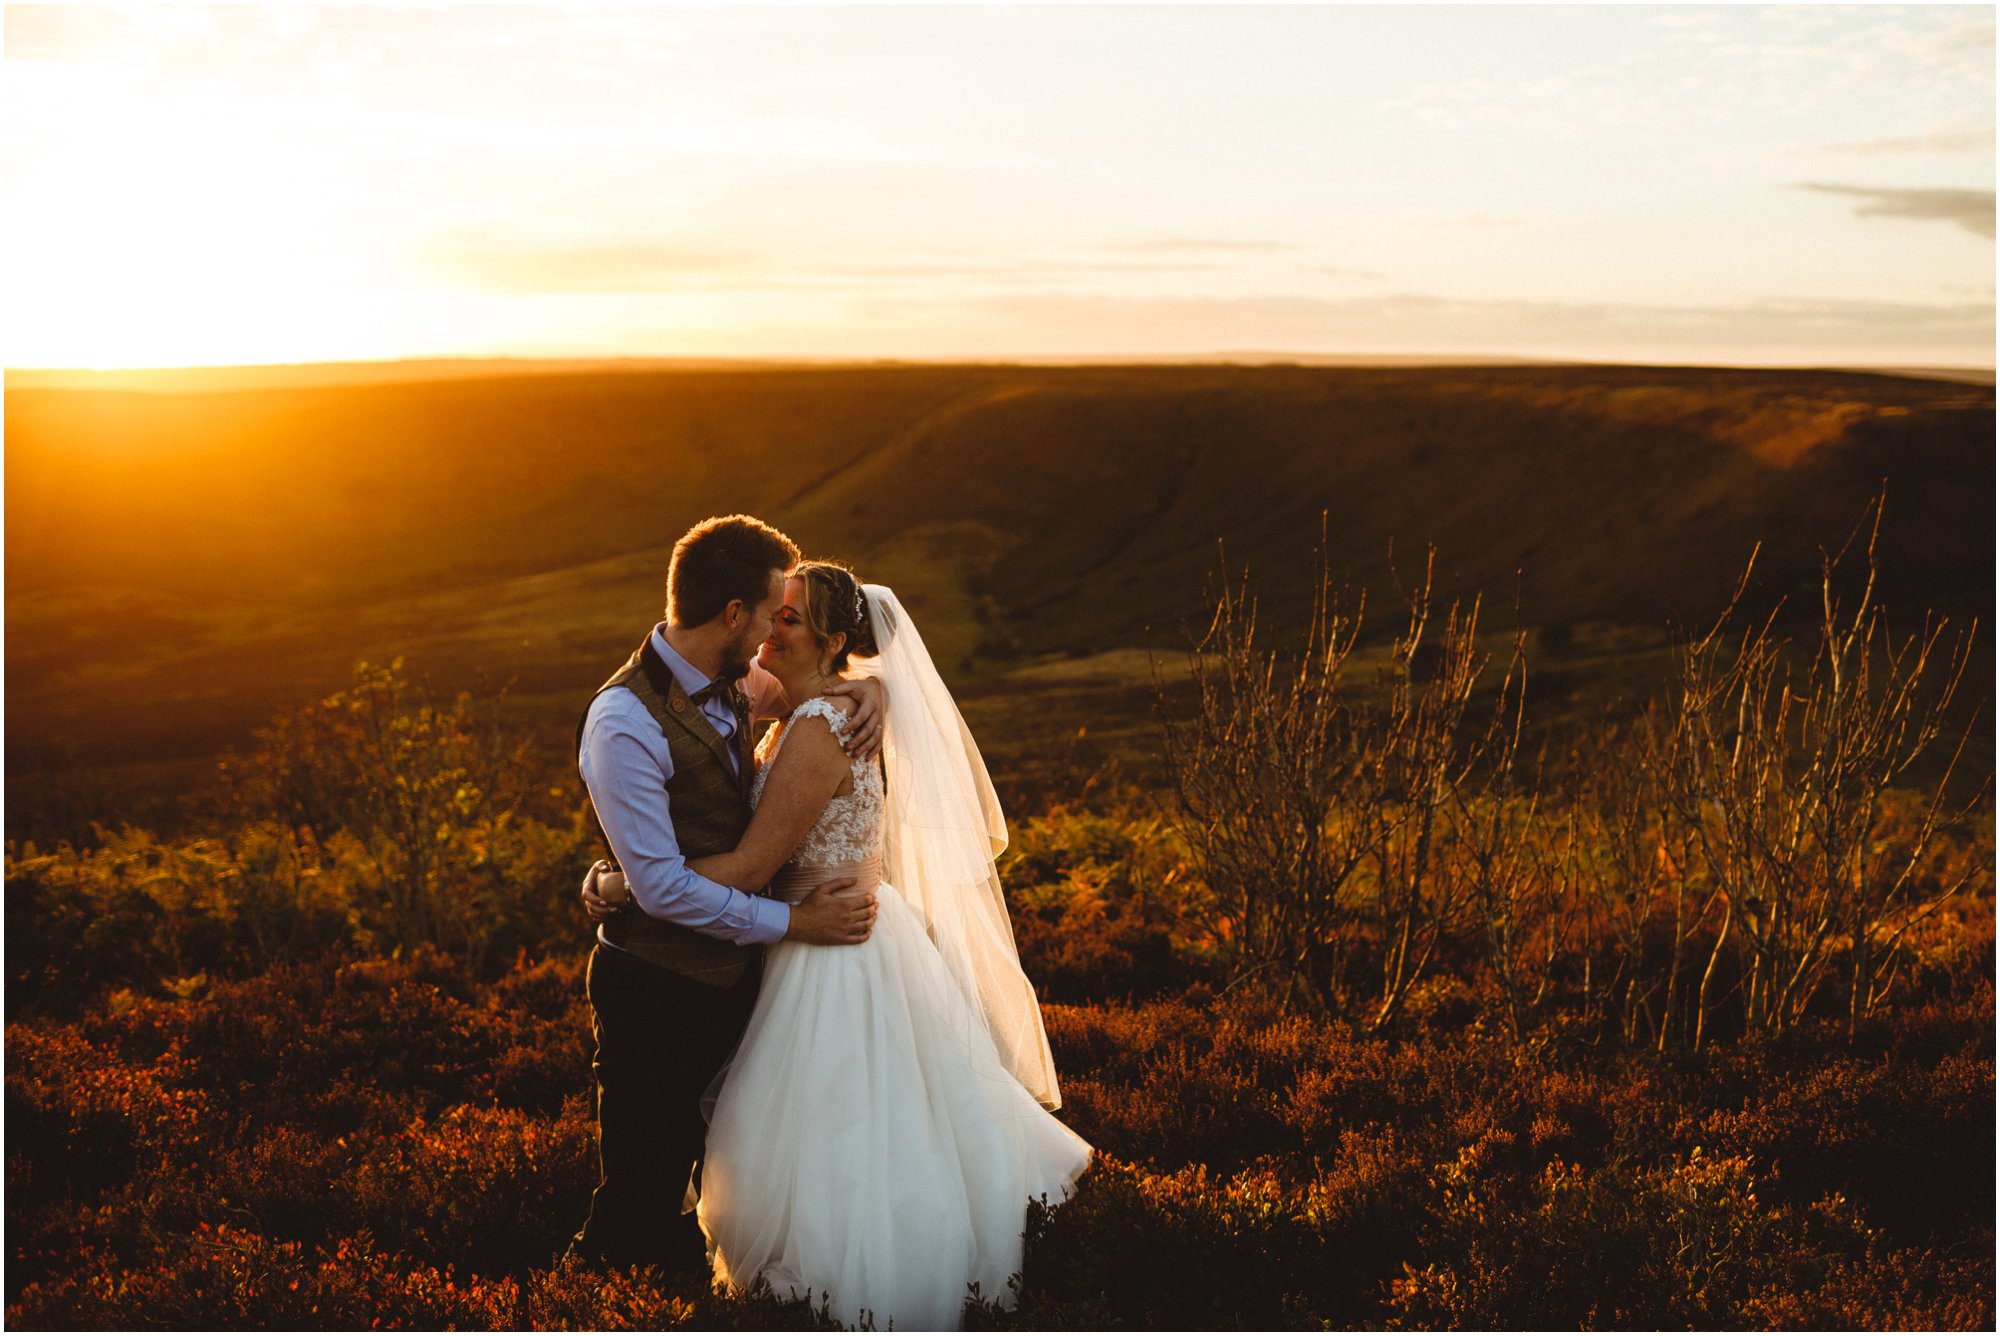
664 749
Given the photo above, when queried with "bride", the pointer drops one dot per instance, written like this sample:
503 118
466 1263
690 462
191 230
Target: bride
884 1123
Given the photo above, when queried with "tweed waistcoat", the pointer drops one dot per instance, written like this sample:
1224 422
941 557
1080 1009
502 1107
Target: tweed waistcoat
710 805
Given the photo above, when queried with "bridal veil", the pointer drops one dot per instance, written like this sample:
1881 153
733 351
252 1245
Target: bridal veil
944 830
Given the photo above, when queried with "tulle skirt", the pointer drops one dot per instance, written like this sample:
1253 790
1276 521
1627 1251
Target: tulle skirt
867 1145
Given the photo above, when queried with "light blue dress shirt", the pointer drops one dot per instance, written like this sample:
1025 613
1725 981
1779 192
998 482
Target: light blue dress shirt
626 765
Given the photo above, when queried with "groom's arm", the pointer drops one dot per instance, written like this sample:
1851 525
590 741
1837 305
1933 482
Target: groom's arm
626 765
766 694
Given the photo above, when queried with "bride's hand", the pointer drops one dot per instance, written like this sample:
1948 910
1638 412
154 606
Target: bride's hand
605 891
869 704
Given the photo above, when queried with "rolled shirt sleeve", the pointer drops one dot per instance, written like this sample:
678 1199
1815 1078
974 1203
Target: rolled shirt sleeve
626 764
767 696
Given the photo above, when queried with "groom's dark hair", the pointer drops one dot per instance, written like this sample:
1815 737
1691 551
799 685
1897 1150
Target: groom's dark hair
723 558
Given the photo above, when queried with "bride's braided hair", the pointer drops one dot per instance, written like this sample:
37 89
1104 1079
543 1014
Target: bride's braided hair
834 606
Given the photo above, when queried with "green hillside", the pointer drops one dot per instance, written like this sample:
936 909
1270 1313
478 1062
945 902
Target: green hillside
181 565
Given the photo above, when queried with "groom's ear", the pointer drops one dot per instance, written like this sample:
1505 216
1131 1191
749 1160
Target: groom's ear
732 613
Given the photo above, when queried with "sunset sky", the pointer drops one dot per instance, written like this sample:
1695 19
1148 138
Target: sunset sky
190 185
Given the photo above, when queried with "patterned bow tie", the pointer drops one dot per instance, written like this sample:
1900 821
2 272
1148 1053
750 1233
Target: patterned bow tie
722 688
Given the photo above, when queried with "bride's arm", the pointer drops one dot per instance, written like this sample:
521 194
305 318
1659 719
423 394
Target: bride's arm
867 705
809 770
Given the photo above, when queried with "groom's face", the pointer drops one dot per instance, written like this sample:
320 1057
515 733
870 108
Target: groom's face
756 625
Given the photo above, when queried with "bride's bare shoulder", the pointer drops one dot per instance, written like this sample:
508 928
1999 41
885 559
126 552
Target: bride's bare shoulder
814 731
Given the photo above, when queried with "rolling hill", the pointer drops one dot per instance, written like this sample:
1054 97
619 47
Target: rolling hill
180 565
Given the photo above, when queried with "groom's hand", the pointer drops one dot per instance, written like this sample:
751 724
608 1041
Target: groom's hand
833 915
869 700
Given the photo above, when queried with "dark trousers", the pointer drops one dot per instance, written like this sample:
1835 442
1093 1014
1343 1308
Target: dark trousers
660 1041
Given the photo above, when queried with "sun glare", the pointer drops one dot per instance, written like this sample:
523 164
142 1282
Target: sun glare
148 230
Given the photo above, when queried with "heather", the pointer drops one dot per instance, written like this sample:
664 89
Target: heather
349 1142
1383 1008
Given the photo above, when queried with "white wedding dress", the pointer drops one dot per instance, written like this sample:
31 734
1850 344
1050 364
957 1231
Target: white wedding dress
869 1143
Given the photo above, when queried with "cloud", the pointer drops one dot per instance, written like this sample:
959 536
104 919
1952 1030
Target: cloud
1970 209
1341 271
1025 269
1772 330
1576 102
1479 222
1793 60
498 263
1176 245
505 261
1684 18
1954 141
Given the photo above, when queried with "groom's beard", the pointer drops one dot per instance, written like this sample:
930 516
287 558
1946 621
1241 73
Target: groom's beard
735 660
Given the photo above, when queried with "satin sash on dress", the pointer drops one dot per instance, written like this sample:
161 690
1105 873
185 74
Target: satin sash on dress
795 882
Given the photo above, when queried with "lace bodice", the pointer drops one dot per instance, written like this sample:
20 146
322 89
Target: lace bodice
850 827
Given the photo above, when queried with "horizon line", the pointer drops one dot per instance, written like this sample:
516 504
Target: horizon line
1265 356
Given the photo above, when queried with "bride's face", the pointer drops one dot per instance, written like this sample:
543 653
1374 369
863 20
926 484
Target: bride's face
790 652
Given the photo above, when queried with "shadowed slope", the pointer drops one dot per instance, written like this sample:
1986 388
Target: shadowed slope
181 565
1617 494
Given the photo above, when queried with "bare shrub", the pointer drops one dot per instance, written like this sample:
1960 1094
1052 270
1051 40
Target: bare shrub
1769 842
1325 822
1782 770
1430 810
1629 859
1258 766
